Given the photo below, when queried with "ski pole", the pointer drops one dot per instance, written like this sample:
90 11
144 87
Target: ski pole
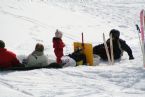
138 29
83 41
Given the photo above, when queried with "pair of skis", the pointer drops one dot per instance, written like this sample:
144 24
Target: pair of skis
110 55
142 30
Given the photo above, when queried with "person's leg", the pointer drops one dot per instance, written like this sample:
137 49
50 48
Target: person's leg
58 60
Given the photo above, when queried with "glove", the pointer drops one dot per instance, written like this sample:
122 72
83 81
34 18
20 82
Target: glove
131 58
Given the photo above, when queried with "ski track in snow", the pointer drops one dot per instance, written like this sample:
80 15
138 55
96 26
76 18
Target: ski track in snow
4 82
81 81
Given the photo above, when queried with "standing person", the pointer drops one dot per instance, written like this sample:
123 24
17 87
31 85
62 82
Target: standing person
58 46
119 46
7 58
37 57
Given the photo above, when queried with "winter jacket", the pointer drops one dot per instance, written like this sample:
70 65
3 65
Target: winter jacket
78 56
8 59
58 46
119 46
37 59
68 61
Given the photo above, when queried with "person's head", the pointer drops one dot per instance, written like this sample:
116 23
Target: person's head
2 44
39 47
115 33
58 34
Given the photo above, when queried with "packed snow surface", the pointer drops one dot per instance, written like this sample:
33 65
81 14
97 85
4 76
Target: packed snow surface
23 23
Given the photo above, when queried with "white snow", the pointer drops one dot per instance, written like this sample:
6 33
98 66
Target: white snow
23 23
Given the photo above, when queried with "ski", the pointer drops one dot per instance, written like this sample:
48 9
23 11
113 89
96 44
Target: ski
142 29
106 48
111 49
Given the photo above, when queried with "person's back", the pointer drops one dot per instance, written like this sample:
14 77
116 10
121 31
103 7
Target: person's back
37 58
7 58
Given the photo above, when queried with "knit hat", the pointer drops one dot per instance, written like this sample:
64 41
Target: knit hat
115 33
2 44
58 34
39 47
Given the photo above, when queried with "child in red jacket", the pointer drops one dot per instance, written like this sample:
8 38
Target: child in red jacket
58 46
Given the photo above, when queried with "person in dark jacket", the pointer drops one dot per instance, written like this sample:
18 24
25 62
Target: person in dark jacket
58 46
79 56
7 58
119 46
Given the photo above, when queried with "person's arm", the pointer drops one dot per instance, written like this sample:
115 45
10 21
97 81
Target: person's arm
61 44
126 48
58 43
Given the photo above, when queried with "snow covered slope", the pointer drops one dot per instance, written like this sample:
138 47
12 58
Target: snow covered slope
23 23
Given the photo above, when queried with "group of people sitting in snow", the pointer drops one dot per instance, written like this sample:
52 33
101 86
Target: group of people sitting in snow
37 58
